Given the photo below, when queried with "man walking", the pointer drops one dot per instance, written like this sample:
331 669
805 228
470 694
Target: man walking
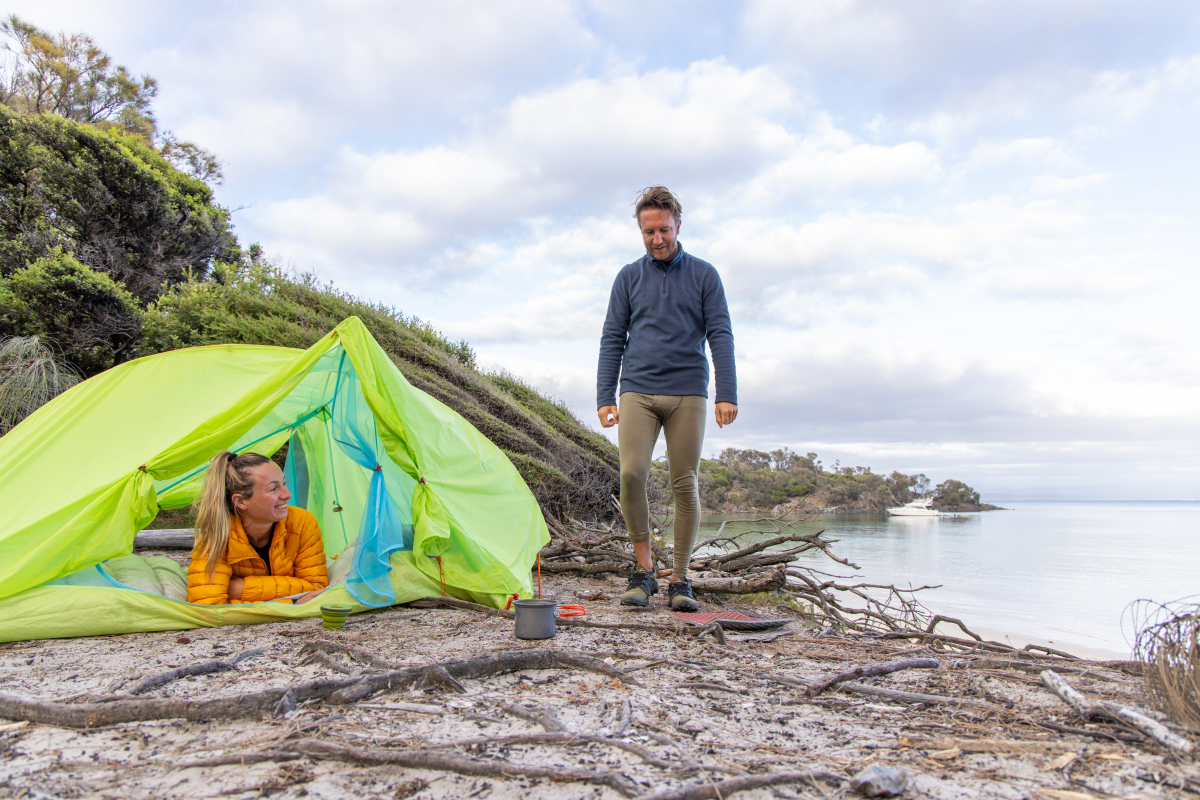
663 308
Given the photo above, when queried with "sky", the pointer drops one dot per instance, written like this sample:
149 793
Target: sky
957 237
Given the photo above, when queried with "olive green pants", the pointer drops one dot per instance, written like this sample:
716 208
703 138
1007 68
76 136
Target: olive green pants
641 418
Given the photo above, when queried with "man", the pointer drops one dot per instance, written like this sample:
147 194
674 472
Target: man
663 308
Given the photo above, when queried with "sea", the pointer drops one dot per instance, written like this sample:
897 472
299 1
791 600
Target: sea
1060 574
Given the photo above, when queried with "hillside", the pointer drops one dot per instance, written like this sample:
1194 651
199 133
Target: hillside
566 466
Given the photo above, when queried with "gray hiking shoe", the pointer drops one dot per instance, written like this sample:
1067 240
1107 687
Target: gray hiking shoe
641 585
682 598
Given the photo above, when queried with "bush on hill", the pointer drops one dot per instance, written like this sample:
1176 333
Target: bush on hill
107 199
93 321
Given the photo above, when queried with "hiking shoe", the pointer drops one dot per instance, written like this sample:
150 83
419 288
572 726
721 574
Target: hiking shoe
641 585
682 598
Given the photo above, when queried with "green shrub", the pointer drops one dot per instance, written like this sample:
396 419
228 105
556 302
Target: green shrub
108 199
92 321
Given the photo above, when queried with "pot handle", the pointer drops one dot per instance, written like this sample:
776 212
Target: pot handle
571 611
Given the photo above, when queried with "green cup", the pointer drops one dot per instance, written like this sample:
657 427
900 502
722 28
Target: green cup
333 618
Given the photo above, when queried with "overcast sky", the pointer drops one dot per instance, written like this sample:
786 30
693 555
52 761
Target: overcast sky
957 237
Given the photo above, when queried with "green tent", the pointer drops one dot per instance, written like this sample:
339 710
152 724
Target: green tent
421 501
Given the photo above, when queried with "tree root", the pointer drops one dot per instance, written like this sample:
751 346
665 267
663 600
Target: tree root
871 670
542 715
436 759
200 668
279 701
708 789
311 649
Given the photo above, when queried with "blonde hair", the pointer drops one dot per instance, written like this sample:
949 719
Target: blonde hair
229 474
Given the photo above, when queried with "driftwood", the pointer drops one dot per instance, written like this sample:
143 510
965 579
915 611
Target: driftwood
166 539
431 758
766 581
913 697
871 670
708 789
279 701
199 668
1117 713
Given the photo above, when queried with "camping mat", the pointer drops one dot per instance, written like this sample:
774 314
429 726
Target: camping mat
732 620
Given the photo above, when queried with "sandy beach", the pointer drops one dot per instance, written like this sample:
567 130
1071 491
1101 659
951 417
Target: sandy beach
684 712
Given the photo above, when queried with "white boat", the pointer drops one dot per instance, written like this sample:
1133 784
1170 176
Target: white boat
917 508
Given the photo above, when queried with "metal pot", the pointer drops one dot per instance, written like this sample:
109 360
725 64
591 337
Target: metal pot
535 618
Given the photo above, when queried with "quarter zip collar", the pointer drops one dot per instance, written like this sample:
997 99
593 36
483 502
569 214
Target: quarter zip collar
666 265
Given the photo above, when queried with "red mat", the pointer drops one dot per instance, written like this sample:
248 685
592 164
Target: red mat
732 620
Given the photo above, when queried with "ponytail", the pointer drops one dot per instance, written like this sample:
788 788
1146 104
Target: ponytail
229 474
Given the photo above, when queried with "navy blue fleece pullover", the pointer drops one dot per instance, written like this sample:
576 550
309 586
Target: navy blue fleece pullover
659 316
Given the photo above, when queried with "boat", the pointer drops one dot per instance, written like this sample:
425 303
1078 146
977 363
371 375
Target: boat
917 508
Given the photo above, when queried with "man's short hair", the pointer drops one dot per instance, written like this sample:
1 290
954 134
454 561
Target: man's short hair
658 197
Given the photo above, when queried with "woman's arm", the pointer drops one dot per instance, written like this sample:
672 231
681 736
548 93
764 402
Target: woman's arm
207 591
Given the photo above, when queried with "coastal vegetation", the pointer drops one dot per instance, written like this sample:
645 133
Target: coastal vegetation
745 480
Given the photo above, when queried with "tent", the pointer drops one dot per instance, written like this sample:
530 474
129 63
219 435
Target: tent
421 501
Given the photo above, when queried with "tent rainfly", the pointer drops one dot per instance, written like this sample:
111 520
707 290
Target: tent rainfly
418 499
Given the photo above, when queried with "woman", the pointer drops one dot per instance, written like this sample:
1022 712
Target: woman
251 546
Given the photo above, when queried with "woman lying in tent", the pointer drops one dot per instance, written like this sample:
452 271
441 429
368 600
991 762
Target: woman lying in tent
251 546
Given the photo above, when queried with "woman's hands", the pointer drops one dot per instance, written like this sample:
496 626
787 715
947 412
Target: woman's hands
304 598
238 585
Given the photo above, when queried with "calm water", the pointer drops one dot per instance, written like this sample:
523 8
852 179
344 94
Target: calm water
1041 572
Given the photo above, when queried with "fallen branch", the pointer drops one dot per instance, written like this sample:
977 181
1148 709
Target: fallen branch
708 789
279 701
243 758
1118 713
435 759
564 738
913 697
199 668
871 670
1116 737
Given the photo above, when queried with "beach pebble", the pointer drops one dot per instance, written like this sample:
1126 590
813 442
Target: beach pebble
880 781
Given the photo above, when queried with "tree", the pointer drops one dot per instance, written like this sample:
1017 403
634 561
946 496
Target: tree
71 77
92 321
109 200
954 493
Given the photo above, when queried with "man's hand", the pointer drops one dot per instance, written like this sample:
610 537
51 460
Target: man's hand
608 415
235 588
726 413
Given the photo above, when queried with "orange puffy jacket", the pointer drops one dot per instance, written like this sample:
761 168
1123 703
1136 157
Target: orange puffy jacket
297 564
